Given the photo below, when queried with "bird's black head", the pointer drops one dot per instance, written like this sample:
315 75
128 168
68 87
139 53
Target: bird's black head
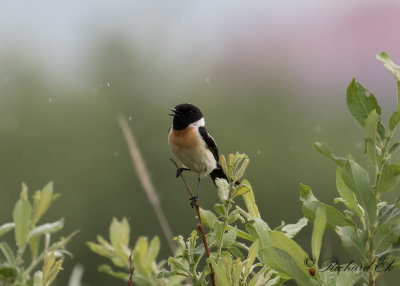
184 115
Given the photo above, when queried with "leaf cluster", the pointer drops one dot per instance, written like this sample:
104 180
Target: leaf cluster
15 266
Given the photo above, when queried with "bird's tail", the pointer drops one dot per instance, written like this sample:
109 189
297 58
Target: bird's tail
218 173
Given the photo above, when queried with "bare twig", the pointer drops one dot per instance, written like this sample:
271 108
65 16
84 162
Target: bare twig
144 178
131 268
199 225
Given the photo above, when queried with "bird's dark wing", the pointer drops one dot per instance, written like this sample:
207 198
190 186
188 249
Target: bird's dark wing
209 142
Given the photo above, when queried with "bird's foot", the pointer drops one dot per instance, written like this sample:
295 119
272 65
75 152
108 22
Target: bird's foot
180 170
193 200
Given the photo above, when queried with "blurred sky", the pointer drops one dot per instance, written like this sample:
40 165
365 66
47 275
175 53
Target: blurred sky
311 39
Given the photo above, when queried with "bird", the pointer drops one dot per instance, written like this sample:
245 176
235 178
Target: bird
190 141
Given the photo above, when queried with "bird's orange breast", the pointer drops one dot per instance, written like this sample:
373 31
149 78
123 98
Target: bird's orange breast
185 139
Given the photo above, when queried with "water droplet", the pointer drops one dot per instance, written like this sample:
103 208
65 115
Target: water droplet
258 152
130 118
207 80
108 84
50 99
116 154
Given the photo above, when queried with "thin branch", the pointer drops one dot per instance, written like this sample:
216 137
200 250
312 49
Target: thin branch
131 268
199 225
144 178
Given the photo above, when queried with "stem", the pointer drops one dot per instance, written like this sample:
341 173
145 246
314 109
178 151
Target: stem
225 225
199 226
146 182
371 271
20 254
131 268
203 236
371 278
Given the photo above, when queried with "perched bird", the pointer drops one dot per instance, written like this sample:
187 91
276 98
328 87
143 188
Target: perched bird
193 145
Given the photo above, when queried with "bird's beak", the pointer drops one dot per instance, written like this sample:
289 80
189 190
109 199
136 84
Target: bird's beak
173 110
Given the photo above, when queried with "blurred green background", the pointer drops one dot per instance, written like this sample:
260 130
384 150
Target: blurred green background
270 77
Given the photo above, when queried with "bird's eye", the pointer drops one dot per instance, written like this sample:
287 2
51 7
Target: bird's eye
190 111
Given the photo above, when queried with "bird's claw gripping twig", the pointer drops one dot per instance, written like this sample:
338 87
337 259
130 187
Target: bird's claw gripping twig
193 200
180 170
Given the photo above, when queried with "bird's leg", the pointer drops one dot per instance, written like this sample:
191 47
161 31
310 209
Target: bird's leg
195 198
180 170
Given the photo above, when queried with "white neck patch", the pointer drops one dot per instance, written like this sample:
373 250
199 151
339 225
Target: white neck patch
198 123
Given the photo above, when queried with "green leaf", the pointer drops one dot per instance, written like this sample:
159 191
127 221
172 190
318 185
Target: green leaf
318 232
347 278
390 178
46 228
394 120
259 229
104 249
108 270
8 253
222 162
251 256
281 261
140 249
8 273
219 209
42 201
22 219
281 241
51 268
235 252
192 243
229 238
219 231
208 218
240 190
34 246
360 105
240 172
290 230
221 271
264 278
394 148
387 234
311 204
119 238
370 128
236 269
38 278
243 235
389 64
324 149
352 242
4 228
153 251
348 196
388 212
357 179
250 201
233 216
